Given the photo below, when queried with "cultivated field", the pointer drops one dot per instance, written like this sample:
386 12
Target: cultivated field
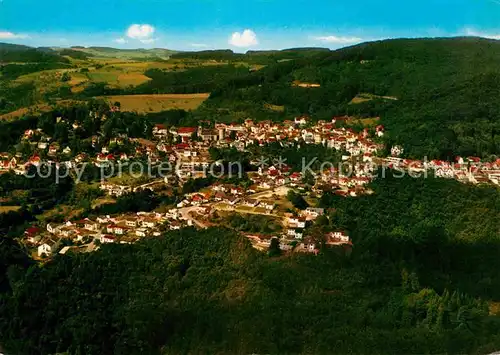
275 108
360 98
35 109
5 209
157 103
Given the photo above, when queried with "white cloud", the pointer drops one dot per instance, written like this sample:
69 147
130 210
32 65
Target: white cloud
143 33
471 32
247 38
338 39
121 40
148 41
11 35
199 45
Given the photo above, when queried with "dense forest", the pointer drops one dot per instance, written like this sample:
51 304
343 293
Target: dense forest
29 55
422 278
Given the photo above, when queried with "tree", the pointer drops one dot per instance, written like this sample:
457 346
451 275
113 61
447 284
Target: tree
274 248
65 77
308 178
297 200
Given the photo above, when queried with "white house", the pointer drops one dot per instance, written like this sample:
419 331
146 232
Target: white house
44 249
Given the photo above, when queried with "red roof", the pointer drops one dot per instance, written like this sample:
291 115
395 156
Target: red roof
182 146
186 130
160 126
32 230
35 158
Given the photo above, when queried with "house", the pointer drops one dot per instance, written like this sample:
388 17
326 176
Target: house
64 250
295 177
268 205
295 233
313 212
31 233
302 120
48 248
53 149
379 131
44 249
28 134
160 130
131 222
207 135
8 164
115 229
337 238
148 222
296 222
175 225
186 132
90 225
124 157
397 150
35 160
141 232
106 238
250 202
231 200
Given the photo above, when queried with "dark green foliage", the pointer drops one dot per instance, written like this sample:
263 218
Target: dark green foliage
14 96
446 230
13 71
75 54
209 290
274 248
297 200
253 223
133 202
193 185
11 131
29 55
195 80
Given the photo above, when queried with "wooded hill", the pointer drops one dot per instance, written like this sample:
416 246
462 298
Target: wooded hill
422 278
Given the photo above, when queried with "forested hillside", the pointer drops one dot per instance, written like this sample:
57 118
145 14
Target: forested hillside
422 278
24 54
443 92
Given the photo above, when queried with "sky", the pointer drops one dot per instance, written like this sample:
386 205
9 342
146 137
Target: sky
240 25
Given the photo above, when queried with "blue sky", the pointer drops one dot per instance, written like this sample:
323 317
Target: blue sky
239 24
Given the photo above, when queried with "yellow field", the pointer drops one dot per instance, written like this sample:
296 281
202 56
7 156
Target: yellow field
274 107
5 209
298 83
133 79
157 103
366 122
360 98
35 109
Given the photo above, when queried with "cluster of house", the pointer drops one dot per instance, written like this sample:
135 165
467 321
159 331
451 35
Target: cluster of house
124 229
293 237
322 132
229 194
466 170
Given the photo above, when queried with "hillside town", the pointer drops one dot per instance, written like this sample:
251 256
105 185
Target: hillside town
186 152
